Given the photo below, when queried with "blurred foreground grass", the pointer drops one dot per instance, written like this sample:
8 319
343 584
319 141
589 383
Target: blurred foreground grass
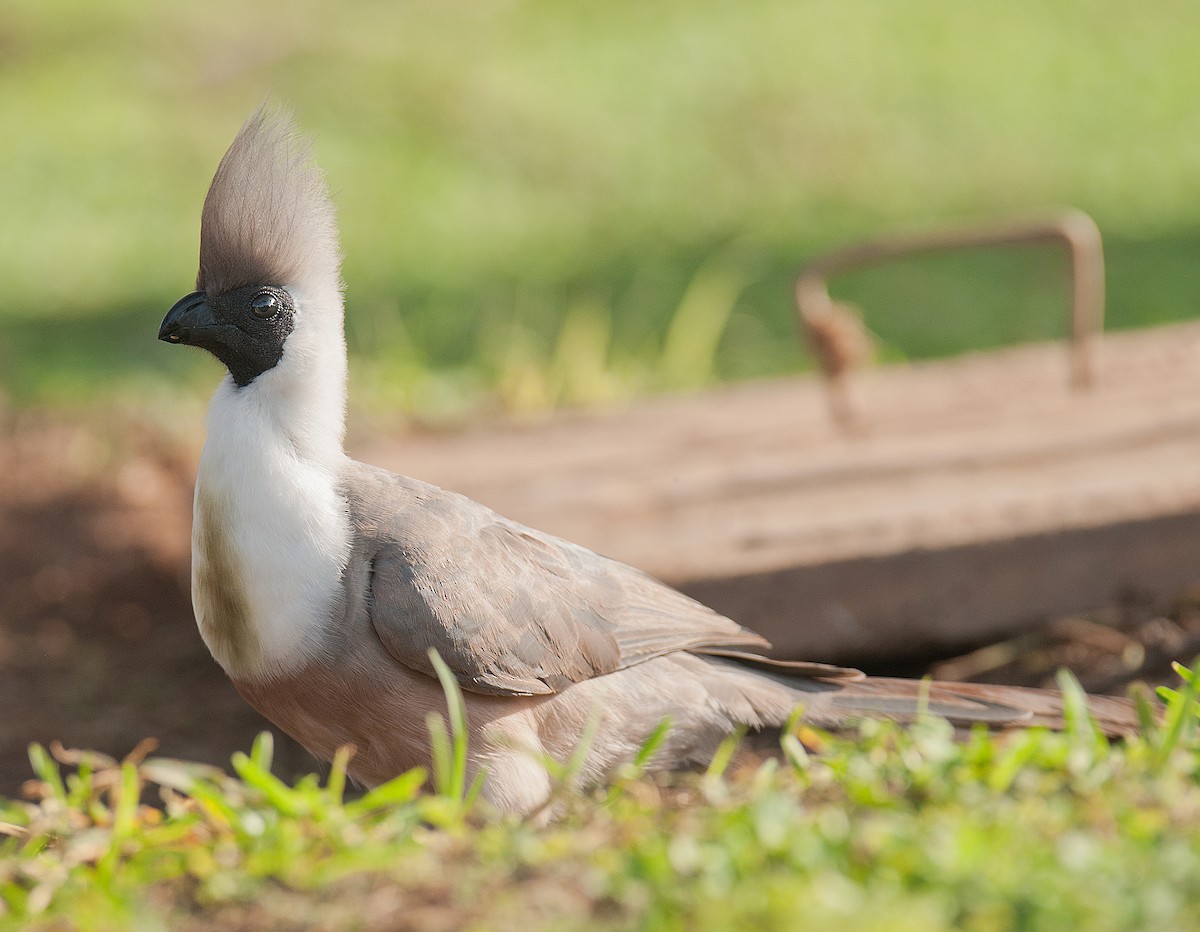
572 203
887 829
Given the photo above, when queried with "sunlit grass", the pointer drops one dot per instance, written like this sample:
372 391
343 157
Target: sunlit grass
887 828
550 204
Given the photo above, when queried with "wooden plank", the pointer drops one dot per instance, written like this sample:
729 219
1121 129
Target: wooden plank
978 494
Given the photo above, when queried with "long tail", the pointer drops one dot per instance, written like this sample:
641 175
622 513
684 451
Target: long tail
960 703
837 697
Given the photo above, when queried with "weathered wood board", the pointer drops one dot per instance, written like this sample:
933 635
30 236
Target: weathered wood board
977 495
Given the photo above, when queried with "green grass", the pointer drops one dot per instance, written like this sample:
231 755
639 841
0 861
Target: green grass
570 203
889 828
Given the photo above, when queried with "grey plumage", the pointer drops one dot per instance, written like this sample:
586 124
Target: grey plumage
513 611
321 584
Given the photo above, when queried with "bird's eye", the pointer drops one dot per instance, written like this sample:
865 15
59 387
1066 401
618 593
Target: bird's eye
264 305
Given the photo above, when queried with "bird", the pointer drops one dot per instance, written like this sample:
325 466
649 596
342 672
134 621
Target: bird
323 586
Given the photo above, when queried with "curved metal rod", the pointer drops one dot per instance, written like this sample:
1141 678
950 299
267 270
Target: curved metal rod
1073 229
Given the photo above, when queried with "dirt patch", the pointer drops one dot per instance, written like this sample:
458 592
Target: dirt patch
98 647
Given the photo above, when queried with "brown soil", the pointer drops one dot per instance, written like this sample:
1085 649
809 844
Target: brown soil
98 647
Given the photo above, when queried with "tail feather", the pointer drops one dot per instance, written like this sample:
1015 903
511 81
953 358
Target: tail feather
837 703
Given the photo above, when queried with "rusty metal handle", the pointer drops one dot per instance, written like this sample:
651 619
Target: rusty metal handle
1072 228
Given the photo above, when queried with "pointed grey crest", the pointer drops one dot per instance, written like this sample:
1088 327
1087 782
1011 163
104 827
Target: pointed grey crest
267 218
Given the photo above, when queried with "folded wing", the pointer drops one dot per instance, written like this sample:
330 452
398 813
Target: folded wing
511 610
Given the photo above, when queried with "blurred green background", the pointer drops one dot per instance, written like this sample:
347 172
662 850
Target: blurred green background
552 203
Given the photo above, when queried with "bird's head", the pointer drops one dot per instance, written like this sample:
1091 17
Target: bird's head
269 284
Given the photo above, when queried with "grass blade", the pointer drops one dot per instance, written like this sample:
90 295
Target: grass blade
278 794
335 787
724 756
439 747
641 760
262 752
1080 724
47 771
1181 717
694 333
452 772
396 792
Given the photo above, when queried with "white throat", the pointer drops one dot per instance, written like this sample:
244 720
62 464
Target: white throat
271 535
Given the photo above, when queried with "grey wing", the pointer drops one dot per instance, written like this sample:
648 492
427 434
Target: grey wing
512 611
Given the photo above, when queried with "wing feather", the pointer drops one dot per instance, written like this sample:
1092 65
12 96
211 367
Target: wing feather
511 610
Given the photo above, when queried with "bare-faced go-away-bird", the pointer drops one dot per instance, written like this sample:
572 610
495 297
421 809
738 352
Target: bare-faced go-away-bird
321 584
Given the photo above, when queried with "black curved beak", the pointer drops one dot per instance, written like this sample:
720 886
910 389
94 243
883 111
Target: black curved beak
190 317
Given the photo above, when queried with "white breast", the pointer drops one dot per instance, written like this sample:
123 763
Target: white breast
270 540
